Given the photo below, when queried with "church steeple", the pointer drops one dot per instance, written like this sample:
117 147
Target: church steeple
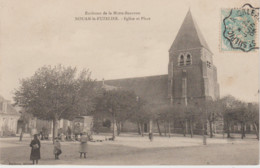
191 72
189 36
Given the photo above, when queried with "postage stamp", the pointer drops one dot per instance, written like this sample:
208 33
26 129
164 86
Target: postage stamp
239 29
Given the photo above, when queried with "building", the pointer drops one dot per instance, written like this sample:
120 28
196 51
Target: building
192 75
8 118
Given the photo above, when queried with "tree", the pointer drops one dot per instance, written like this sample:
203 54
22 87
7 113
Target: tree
164 115
181 116
142 114
229 106
25 118
195 113
213 108
55 93
236 111
117 104
253 117
240 114
167 114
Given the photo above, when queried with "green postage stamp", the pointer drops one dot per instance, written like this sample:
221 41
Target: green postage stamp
239 29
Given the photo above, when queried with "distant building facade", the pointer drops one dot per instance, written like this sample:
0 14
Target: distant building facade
8 118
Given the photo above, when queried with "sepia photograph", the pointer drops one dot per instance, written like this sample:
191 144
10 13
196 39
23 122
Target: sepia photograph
129 82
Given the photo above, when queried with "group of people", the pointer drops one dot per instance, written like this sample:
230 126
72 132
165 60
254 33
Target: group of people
36 146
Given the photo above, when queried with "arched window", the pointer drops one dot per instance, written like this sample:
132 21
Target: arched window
208 64
181 60
188 59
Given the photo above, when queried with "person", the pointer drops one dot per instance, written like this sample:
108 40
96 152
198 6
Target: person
83 144
21 136
41 135
35 152
69 133
57 148
62 137
151 136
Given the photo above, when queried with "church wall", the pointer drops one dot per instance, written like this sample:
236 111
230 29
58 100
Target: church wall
209 74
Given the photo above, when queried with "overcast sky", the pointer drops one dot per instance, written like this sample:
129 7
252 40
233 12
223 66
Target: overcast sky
35 33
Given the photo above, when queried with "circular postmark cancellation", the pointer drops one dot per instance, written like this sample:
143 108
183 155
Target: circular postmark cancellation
239 28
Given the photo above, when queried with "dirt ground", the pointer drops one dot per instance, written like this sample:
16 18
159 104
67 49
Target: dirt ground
135 150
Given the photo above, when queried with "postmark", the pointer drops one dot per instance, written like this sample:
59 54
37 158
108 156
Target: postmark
239 29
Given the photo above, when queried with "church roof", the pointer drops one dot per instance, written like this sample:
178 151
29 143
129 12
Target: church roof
151 88
189 36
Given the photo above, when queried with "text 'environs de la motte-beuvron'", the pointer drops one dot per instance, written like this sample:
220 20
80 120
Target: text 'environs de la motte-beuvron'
112 16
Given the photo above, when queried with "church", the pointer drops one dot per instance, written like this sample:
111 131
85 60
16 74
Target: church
192 75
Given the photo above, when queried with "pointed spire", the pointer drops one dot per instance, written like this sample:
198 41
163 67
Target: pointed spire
189 35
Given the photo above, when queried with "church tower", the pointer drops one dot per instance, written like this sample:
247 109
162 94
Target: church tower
192 75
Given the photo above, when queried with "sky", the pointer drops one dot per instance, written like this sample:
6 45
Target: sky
34 33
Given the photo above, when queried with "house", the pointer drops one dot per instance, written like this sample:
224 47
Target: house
8 118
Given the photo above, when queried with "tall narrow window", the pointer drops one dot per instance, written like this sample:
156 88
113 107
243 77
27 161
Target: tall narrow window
188 59
181 60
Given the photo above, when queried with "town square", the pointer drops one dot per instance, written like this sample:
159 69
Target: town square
116 83
131 149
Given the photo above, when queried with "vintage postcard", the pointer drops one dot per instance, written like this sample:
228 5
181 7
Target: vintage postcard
129 82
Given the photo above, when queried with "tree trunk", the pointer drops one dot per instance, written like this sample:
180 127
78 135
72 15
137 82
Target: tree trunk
186 127
184 130
203 134
242 130
159 130
223 131
142 129
169 129
191 129
210 129
165 129
114 129
26 128
150 126
118 125
138 127
54 129
121 126
173 127
228 130
256 131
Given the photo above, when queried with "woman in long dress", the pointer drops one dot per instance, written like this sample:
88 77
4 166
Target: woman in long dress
83 145
35 152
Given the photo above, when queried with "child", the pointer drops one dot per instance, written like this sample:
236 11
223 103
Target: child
57 148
